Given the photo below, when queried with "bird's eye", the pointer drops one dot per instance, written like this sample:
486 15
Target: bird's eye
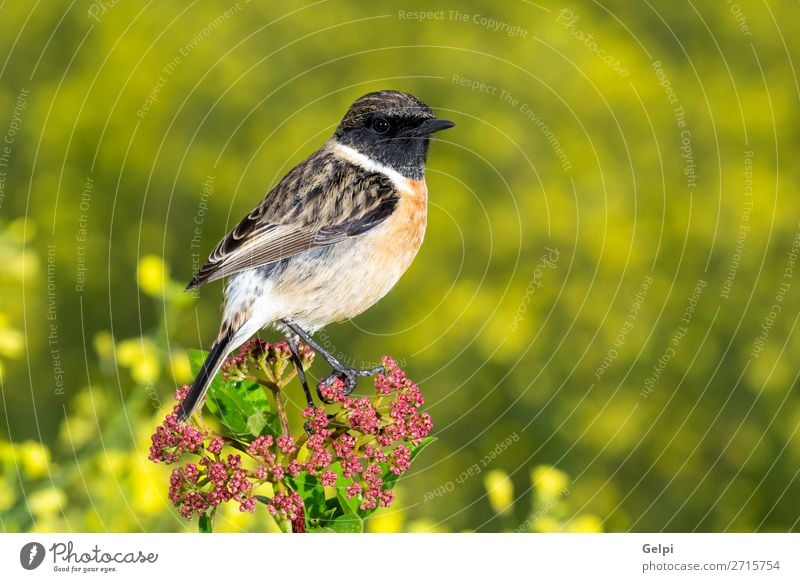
380 125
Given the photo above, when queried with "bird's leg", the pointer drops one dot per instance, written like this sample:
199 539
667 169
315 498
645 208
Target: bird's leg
343 371
298 364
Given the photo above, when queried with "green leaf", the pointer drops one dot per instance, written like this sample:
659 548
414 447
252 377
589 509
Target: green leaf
346 505
312 493
206 525
257 422
349 506
349 523
325 519
242 407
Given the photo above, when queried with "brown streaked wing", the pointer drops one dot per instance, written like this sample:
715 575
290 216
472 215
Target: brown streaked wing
320 202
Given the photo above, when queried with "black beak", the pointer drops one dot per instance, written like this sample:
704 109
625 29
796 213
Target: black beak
433 125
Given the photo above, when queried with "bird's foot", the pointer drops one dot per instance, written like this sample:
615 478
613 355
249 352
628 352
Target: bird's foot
307 425
349 376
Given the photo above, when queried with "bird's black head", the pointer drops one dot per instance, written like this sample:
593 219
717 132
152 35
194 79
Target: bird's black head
392 128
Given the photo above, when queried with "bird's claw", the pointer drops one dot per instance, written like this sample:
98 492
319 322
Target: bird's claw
327 381
349 376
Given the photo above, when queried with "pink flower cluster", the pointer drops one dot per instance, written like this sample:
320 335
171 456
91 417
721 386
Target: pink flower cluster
356 443
172 438
196 488
257 353
406 423
226 481
333 443
269 452
286 505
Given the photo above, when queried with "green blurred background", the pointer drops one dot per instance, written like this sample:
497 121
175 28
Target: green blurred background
602 316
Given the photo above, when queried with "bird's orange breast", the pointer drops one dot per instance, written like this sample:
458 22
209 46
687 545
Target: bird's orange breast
402 233
358 272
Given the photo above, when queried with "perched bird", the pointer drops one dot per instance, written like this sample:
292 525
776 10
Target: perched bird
330 239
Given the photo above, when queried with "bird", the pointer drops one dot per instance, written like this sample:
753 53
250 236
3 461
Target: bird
329 240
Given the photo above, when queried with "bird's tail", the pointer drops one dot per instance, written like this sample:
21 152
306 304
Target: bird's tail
216 356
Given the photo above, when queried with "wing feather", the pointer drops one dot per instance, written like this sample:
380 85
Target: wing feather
321 202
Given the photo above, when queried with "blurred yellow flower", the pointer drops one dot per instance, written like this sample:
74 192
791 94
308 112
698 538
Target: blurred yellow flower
16 262
34 458
386 520
584 524
12 341
76 431
546 524
22 230
128 351
103 344
146 370
90 401
500 490
141 356
50 524
149 496
549 481
424 525
86 411
229 518
153 275
93 520
181 369
113 461
22 266
47 502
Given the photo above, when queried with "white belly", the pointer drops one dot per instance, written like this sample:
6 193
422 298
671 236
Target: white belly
334 283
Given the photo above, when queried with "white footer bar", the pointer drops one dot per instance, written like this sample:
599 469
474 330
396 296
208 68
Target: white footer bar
406 557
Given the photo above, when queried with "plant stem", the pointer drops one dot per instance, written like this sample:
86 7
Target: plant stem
274 387
299 523
281 410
